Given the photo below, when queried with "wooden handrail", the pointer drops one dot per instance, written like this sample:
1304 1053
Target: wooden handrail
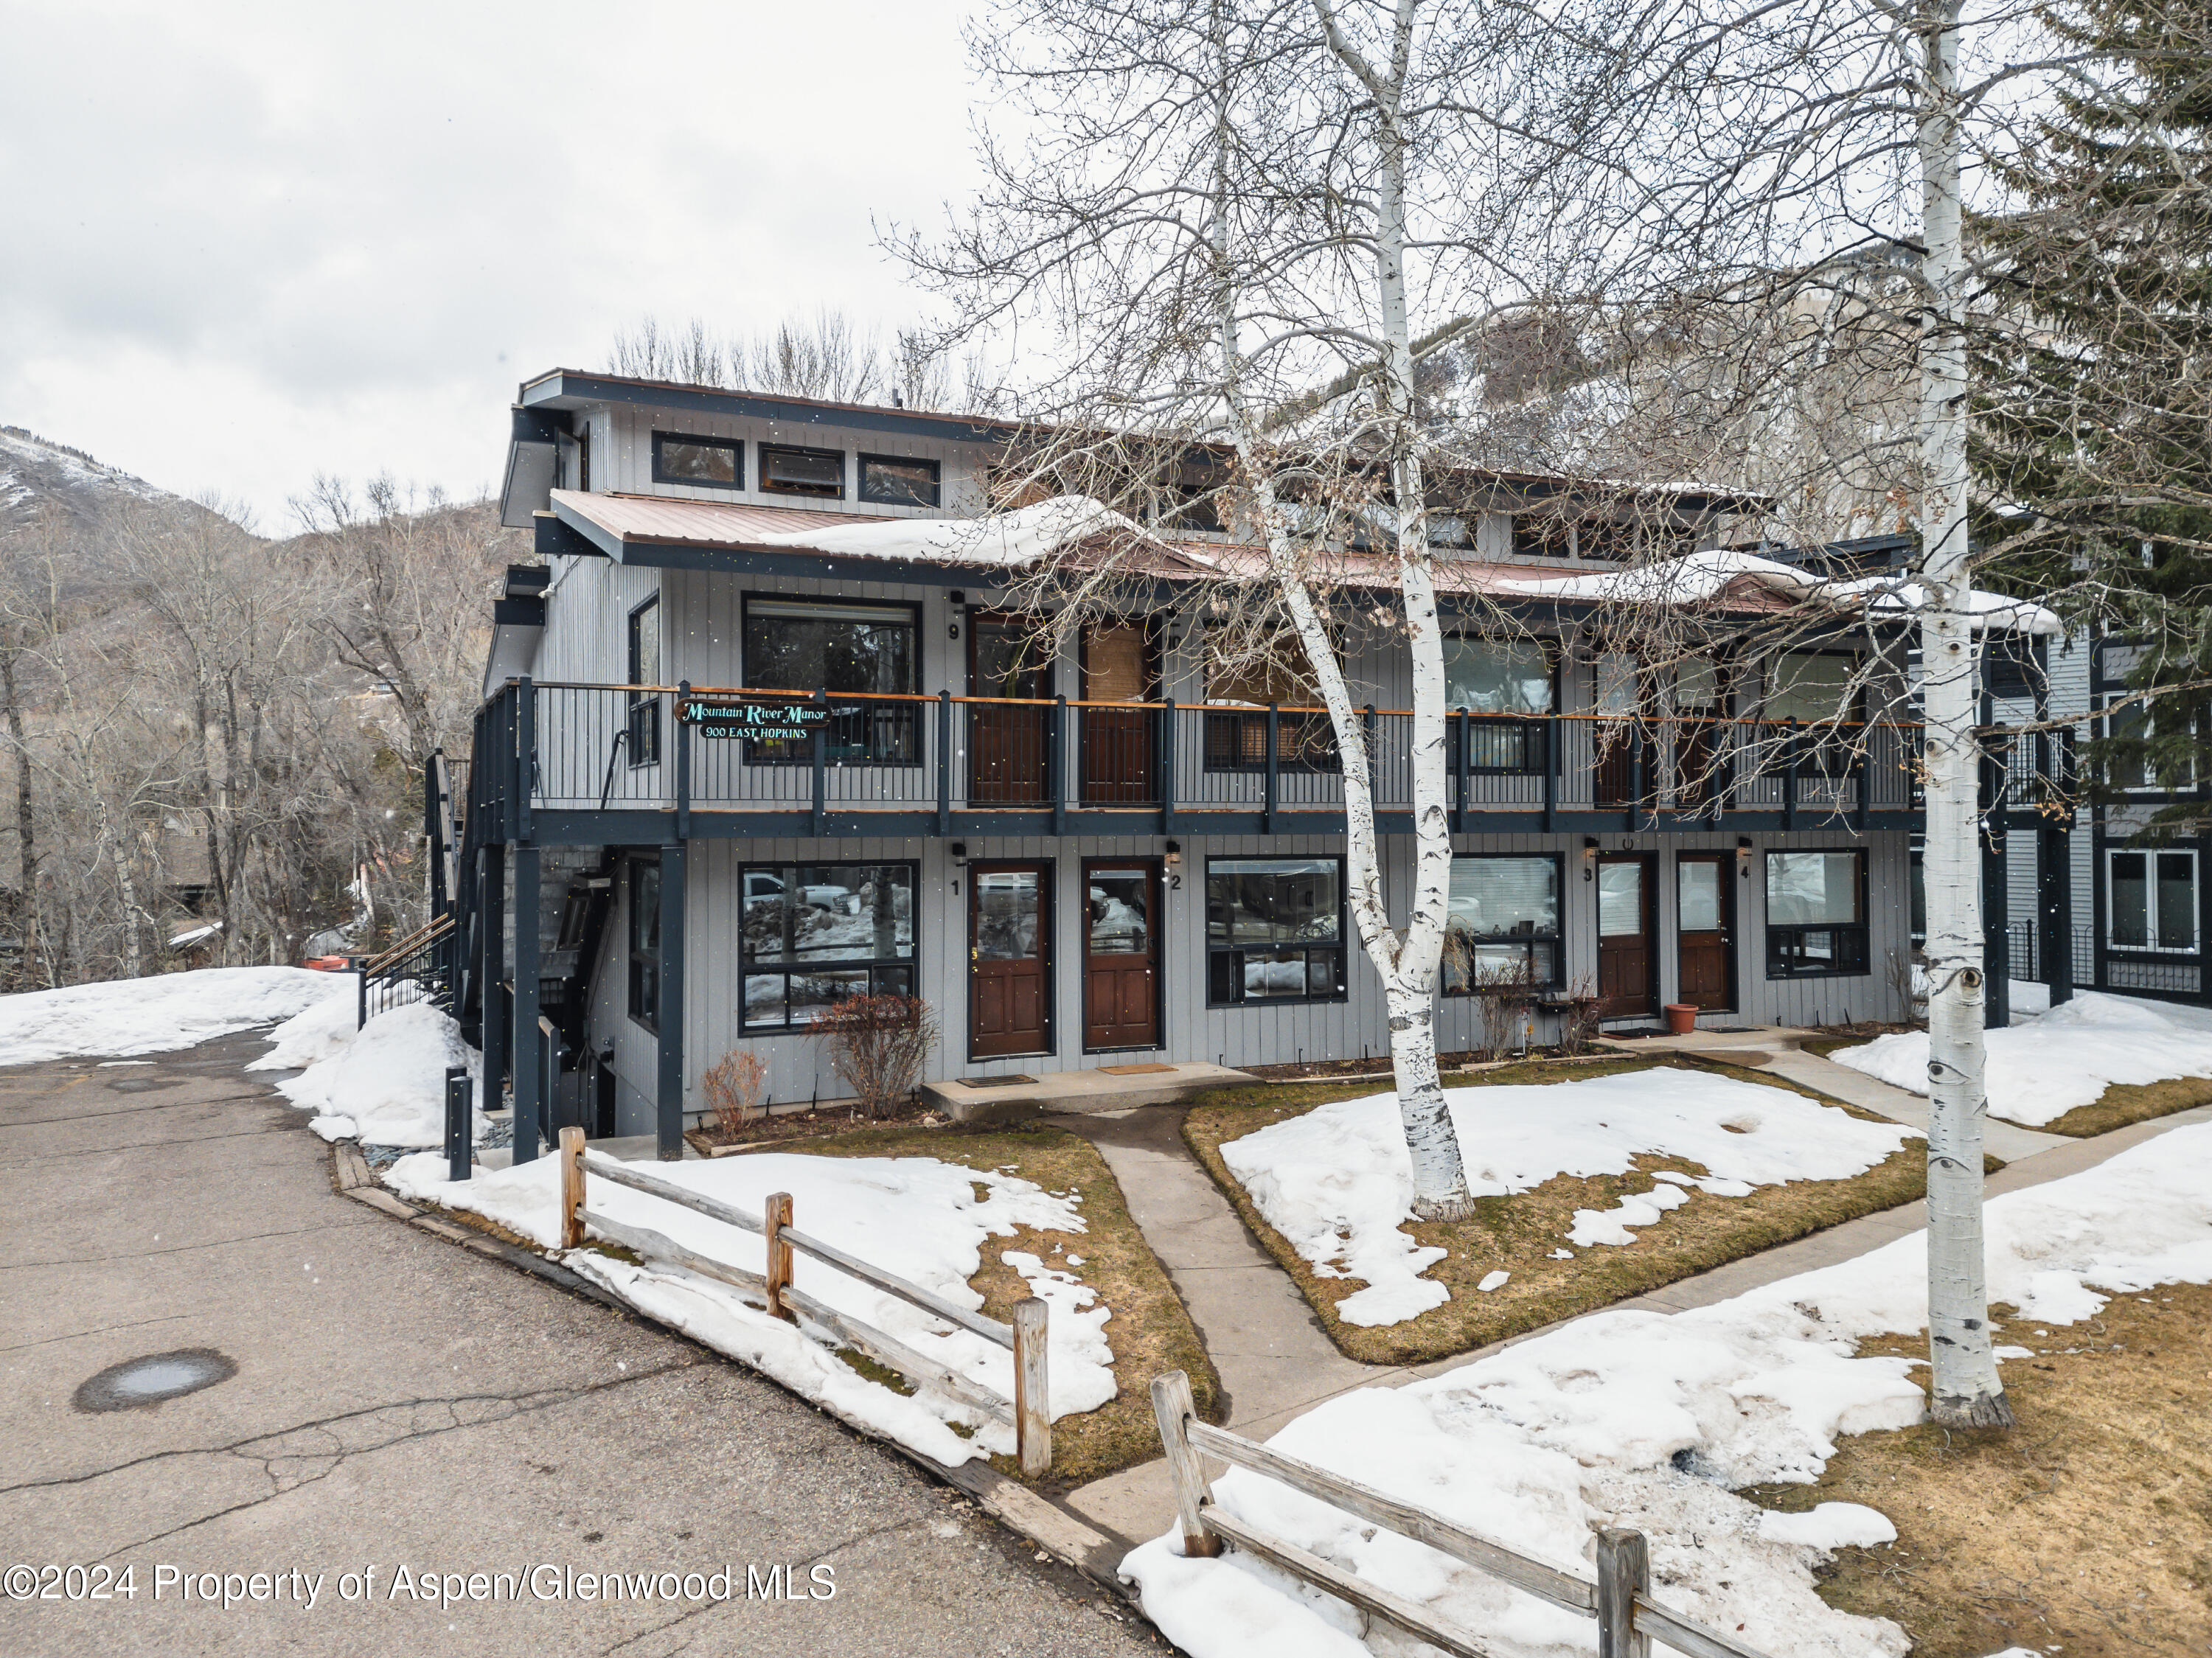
437 927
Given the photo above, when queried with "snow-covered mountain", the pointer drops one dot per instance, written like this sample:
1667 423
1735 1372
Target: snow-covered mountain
34 470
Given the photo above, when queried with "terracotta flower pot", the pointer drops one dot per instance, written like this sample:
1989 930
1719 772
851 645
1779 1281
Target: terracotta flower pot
1681 1018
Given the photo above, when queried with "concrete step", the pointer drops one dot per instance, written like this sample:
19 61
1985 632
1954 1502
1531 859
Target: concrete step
1076 1090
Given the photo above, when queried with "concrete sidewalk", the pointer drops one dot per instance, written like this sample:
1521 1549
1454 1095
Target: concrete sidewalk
1275 1361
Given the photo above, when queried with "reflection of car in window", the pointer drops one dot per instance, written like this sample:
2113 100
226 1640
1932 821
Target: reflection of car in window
761 887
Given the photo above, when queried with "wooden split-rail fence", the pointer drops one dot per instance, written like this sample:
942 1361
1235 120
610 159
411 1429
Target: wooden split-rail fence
1028 1413
1621 1600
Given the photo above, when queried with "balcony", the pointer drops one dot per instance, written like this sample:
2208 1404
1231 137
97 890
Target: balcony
636 764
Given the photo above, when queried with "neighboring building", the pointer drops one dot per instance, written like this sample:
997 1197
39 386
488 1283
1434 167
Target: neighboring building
1116 856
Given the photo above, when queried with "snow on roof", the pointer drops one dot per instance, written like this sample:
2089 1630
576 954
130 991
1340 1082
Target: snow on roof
1709 577
1024 536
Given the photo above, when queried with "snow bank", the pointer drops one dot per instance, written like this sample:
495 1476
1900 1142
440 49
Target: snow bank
919 1217
158 1014
384 1085
1645 1420
1829 1526
1338 1182
2043 1065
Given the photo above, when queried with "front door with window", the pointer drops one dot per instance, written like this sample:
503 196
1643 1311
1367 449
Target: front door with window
1009 959
1704 921
1121 955
1008 752
1627 984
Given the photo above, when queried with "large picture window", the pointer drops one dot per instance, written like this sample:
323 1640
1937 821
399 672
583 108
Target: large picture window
1275 930
1500 676
1503 924
810 935
644 942
709 463
2150 901
1815 914
808 644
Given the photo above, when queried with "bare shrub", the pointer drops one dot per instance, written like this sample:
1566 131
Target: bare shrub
878 1045
733 1086
1578 1018
1503 995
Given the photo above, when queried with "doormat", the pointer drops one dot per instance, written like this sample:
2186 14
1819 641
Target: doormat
1133 1070
995 1081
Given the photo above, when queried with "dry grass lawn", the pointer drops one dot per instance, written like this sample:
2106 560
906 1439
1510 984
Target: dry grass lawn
1519 1232
2123 1103
2087 1532
1150 1331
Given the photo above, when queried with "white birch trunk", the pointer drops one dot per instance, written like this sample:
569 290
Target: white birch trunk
1965 1390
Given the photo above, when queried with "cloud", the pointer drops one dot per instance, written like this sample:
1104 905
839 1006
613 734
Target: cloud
240 244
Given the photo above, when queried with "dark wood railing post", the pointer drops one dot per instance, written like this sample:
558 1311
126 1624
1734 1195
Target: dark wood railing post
821 761
683 762
1553 761
1861 777
1638 765
1374 754
1057 764
1168 766
1274 738
1789 774
526 756
944 763
1455 724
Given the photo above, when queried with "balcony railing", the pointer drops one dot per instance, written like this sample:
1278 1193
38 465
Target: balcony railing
814 755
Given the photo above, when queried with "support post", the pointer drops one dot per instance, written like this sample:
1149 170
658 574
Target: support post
528 1041
1639 766
572 1187
458 1123
1173 1407
1789 774
491 969
360 992
821 763
1167 764
1624 1571
668 1116
1552 762
683 735
1032 1400
1274 739
775 1216
1457 723
944 763
1056 767
2054 867
1996 910
526 756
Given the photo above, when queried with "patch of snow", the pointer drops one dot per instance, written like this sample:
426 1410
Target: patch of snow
2043 1065
1599 1424
916 1216
1610 1226
1023 535
321 1032
388 1079
334 1128
193 935
1338 1182
118 1018
1493 1281
1828 1527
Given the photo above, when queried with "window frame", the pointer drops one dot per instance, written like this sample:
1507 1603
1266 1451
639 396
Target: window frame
735 445
1556 937
1831 759
763 450
860 461
1526 725
758 753
873 966
1342 947
2194 949
1780 934
641 714
644 965
2143 715
1234 735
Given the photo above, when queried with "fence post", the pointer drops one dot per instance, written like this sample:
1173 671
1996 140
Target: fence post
572 1189
1173 1407
1032 1402
1624 1571
944 763
458 1123
775 1216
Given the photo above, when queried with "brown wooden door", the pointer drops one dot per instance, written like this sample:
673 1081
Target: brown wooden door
1704 922
1008 754
1117 743
1698 705
1009 959
1120 955
1615 734
1627 984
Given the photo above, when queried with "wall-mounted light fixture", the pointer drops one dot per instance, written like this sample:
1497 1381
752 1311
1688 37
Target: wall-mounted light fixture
1743 855
1590 857
956 597
959 851
1174 854
958 600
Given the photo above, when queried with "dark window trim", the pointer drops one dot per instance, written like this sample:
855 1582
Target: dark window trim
1788 932
1530 726
735 445
1342 946
1556 937
2155 952
635 865
870 964
642 721
1825 759
754 754
860 460
763 450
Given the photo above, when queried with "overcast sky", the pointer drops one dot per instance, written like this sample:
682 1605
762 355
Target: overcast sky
243 243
